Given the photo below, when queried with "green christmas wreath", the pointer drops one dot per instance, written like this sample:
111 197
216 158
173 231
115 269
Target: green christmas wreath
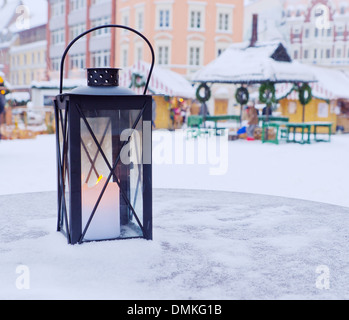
242 95
207 92
304 94
138 81
267 93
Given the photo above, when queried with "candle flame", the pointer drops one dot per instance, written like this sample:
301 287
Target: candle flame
99 179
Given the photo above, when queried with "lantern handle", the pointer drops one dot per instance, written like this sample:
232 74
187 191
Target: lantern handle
102 27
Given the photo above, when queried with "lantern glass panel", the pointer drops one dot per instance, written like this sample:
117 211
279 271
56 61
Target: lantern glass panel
118 212
64 156
136 171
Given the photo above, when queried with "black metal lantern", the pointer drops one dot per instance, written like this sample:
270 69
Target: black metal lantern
104 163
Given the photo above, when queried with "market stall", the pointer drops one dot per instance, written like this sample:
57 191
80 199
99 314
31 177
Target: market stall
172 93
243 64
329 94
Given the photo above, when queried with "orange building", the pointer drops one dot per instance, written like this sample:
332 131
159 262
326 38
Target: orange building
185 34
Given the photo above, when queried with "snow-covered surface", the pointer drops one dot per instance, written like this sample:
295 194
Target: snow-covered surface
240 241
241 63
207 245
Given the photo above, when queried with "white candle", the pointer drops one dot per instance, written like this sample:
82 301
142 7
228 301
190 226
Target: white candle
105 223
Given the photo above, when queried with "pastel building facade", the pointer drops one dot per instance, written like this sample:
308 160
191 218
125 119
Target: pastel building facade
28 58
185 34
318 31
69 18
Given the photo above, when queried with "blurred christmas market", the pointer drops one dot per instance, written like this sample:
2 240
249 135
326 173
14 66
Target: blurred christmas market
289 59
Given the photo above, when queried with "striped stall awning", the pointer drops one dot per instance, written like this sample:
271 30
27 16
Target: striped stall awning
162 82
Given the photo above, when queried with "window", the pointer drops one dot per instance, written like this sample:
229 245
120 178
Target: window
329 31
125 19
163 55
306 33
223 22
138 52
58 36
55 64
100 59
295 54
338 53
306 54
316 33
340 31
100 22
195 20
77 61
224 18
76 30
140 19
328 53
124 58
76 5
164 18
194 56
58 8
315 53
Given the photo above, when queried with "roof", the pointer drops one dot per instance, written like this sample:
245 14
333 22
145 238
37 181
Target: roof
7 11
241 63
55 84
37 13
331 84
162 82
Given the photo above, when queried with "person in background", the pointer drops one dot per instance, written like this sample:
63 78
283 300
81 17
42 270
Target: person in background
267 111
252 118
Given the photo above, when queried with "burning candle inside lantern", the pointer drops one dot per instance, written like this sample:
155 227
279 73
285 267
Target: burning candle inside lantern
106 220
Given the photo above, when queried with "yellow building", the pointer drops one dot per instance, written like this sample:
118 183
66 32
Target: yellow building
328 93
27 64
315 110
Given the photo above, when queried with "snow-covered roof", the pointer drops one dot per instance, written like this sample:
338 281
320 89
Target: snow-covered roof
18 96
331 84
163 81
54 84
7 11
37 14
240 63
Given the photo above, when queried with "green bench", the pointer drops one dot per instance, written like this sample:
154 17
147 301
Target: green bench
280 128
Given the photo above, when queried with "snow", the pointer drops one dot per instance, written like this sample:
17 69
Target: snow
331 84
163 81
246 231
240 63
12 15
